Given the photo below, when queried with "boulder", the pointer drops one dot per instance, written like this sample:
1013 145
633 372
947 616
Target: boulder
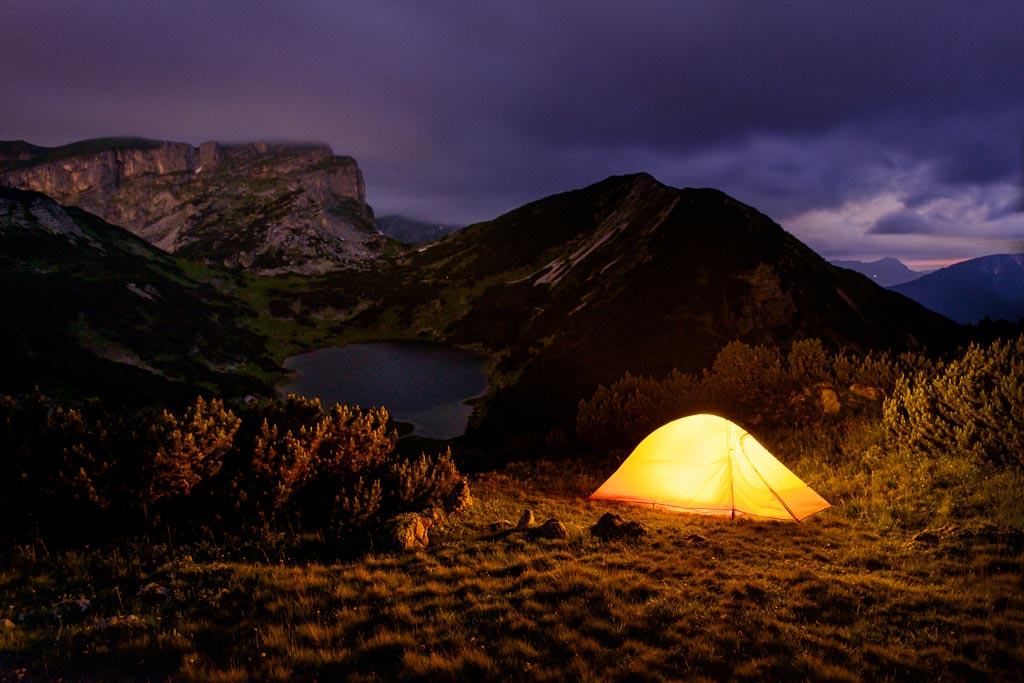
866 392
552 529
612 527
406 532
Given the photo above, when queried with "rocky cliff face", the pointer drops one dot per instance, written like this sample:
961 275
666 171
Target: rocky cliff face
265 208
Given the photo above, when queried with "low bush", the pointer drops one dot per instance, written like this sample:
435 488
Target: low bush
970 409
85 472
750 385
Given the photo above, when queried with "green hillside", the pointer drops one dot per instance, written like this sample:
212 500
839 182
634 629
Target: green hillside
88 309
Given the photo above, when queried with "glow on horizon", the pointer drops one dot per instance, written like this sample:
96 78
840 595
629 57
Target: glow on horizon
932 264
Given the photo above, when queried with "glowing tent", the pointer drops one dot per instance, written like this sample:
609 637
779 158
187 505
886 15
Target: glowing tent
708 465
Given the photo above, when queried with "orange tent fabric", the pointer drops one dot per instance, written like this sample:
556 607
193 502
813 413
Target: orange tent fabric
709 465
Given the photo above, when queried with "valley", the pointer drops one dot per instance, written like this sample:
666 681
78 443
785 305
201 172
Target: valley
239 537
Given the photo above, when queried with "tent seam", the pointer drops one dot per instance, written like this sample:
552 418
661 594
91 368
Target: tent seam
761 476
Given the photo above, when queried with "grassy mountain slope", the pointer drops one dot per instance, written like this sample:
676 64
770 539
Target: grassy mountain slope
86 308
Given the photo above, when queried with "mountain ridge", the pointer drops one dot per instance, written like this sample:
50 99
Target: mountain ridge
412 230
969 291
885 271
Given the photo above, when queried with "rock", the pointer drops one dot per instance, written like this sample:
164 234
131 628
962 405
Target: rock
866 392
459 499
526 521
611 527
6 624
406 532
552 529
830 402
696 539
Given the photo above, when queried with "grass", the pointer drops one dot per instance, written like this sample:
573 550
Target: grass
838 597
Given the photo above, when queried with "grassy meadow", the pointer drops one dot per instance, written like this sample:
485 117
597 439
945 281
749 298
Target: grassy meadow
846 595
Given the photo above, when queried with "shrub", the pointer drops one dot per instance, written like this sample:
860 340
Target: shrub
617 417
751 385
184 451
277 464
747 382
972 408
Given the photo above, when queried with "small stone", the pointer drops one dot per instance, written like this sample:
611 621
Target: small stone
552 529
7 623
526 521
611 527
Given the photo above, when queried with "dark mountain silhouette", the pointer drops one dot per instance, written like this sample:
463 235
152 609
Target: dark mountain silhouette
87 308
986 287
630 275
885 272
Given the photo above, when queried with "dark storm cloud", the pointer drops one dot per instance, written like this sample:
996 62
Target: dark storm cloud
460 110
901 223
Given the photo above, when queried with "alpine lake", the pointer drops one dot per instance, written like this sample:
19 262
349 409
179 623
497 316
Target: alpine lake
420 384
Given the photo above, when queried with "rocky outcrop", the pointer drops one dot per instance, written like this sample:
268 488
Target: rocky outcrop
262 207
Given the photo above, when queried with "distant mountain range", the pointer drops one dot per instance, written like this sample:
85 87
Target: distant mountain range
986 287
261 207
87 308
887 271
412 231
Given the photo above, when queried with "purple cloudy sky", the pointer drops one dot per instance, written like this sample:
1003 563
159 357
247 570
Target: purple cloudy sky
865 128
